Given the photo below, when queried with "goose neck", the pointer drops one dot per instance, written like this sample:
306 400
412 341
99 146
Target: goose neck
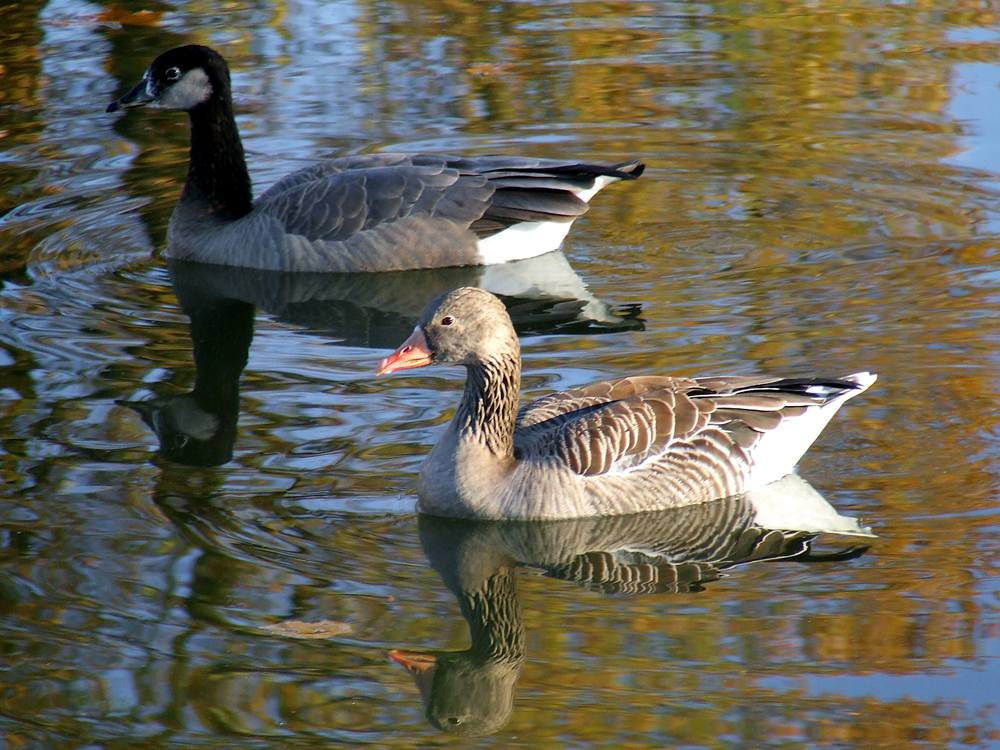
494 616
489 405
217 179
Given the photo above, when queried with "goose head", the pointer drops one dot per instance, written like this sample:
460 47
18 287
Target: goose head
462 693
183 78
465 327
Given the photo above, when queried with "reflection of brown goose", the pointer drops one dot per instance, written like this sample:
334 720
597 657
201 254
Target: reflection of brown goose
472 691
631 445
677 550
369 212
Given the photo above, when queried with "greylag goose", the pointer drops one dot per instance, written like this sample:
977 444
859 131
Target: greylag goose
623 446
374 212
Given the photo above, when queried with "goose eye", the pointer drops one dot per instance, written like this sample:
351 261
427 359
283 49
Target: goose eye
173 74
447 320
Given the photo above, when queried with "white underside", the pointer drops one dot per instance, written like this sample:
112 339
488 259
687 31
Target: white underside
533 238
777 452
521 241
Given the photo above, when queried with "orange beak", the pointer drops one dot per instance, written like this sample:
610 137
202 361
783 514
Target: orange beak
421 666
413 353
414 661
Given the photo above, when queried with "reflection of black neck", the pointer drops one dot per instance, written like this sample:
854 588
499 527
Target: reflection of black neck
199 428
221 334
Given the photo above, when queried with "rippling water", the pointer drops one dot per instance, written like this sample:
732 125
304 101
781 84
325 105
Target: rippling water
207 534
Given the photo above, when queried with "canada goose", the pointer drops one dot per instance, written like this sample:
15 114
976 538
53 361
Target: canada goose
623 446
370 212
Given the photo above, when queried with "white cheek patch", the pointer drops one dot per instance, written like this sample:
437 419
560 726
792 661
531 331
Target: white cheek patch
191 90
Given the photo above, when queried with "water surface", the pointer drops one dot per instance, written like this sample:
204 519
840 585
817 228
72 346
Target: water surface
822 196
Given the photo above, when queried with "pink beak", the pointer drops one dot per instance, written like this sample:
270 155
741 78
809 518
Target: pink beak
413 353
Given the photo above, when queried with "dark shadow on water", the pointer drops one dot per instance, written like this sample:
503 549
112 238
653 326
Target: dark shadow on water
543 295
674 551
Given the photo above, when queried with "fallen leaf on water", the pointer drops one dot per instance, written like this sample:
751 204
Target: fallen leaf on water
309 630
122 17
486 69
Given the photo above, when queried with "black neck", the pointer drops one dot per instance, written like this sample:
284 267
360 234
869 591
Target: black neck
217 173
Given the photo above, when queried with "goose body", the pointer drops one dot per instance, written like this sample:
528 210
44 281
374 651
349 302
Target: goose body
371 212
622 446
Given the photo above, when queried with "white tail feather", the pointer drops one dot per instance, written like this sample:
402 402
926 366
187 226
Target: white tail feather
777 452
600 182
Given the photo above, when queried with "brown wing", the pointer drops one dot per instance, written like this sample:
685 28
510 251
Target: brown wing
591 429
571 401
621 424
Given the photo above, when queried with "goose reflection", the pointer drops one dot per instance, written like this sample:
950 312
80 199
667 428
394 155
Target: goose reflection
198 428
679 550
